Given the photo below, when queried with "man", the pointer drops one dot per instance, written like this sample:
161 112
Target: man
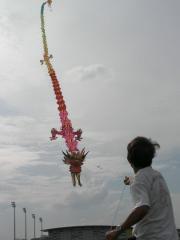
152 216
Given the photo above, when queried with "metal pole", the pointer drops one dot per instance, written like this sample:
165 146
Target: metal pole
13 204
25 227
41 221
15 222
34 217
25 223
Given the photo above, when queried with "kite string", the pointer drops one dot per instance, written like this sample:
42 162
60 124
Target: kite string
118 206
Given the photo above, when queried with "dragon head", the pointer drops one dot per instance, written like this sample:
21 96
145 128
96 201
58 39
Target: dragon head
49 2
75 156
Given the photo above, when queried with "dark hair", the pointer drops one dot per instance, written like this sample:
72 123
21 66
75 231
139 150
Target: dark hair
141 151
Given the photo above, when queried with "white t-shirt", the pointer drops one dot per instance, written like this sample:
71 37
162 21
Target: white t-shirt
149 188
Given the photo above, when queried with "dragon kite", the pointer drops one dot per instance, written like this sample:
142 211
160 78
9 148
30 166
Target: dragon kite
73 156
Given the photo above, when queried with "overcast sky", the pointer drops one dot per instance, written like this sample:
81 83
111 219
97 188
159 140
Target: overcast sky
118 65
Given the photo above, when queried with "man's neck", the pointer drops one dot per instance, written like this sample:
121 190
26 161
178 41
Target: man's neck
136 170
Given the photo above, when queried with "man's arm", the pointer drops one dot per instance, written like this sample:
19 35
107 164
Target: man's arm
134 217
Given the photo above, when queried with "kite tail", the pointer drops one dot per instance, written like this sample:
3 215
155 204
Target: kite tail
71 137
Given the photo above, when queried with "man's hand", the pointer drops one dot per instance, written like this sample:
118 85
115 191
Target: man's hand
128 180
111 235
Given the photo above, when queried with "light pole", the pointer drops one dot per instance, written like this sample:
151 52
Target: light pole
25 224
13 204
34 217
41 222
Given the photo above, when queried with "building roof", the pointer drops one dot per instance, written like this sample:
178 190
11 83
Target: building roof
79 226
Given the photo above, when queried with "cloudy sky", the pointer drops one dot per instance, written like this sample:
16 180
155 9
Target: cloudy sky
118 63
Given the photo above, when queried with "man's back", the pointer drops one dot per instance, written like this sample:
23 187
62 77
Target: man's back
149 188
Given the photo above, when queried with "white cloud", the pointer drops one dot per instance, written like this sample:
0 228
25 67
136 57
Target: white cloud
93 72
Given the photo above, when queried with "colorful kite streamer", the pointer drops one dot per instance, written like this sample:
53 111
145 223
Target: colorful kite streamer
73 157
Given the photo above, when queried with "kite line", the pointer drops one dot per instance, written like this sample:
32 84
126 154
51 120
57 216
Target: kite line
73 156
